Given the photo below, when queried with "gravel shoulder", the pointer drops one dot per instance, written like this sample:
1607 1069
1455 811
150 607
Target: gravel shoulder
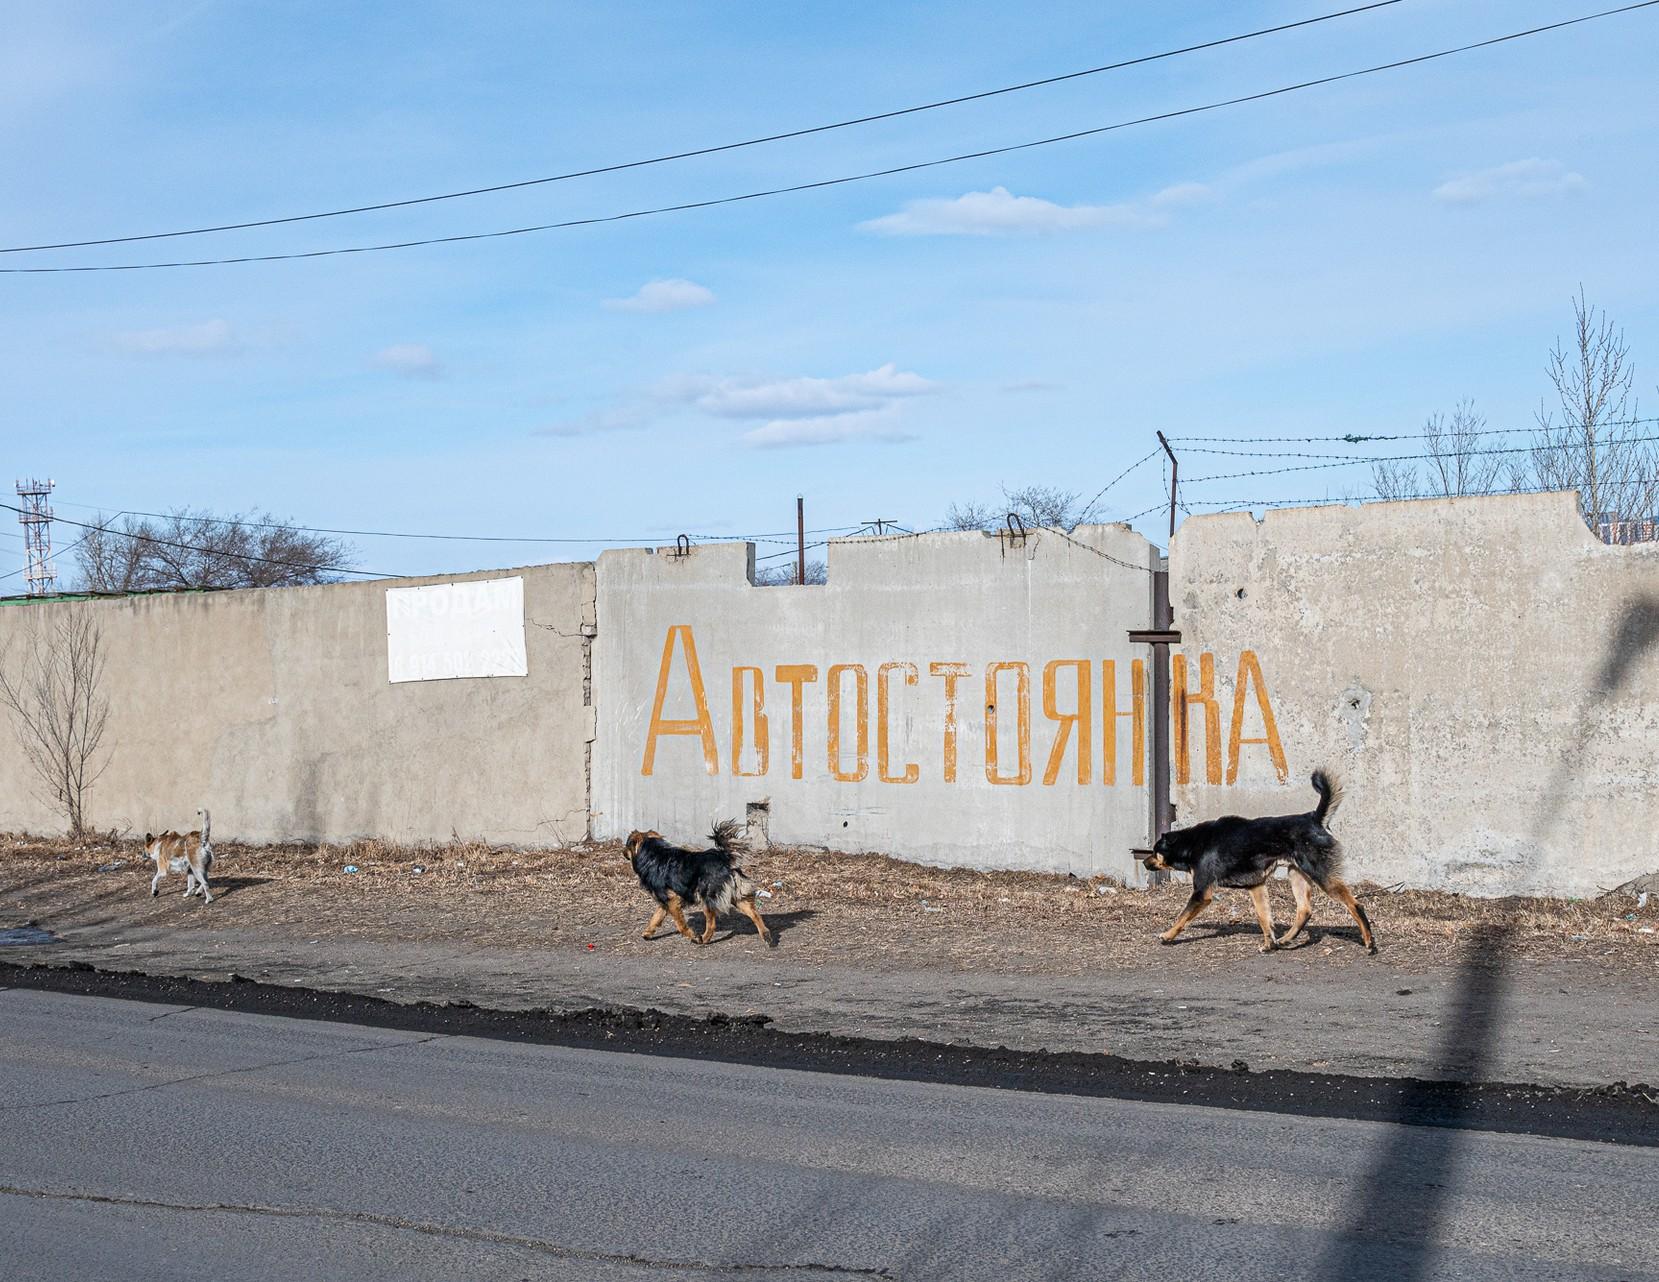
1556 993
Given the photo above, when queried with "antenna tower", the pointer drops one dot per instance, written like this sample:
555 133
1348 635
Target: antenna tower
36 520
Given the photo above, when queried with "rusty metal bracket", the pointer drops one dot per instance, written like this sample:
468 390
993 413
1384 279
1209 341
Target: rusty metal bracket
1156 636
1014 535
682 545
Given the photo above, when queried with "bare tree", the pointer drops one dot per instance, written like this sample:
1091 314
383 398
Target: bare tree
1036 505
778 576
1460 461
1594 448
58 712
1395 479
188 549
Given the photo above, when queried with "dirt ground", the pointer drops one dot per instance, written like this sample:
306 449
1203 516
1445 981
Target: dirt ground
1559 993
828 907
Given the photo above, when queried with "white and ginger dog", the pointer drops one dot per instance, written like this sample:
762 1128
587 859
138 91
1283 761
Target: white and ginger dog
190 853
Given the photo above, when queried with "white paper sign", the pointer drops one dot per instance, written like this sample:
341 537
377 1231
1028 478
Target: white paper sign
449 630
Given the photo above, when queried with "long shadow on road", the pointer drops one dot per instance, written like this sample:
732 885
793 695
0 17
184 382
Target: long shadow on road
1405 1192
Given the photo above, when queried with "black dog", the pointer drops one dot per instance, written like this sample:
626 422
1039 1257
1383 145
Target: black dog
677 878
1242 853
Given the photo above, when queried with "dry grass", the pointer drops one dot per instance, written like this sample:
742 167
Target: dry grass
854 907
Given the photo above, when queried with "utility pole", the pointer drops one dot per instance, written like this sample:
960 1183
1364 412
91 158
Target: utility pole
36 519
881 523
800 541
1174 480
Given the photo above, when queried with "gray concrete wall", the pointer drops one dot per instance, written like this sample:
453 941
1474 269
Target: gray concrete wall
273 707
893 611
1483 671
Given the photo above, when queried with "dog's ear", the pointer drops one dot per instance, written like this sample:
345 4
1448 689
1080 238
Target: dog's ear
632 845
148 838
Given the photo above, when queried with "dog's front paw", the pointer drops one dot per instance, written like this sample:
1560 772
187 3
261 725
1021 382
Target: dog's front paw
1166 939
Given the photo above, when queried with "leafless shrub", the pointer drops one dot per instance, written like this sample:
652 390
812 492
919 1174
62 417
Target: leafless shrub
58 713
782 575
1035 505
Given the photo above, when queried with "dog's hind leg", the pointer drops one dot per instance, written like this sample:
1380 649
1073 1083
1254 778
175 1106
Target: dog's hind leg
1338 890
710 918
155 884
201 885
1302 888
677 913
1198 903
656 920
1264 915
748 909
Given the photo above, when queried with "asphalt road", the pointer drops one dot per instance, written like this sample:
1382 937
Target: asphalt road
141 1141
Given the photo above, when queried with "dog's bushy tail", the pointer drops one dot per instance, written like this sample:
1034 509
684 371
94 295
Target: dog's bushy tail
728 836
207 838
1329 788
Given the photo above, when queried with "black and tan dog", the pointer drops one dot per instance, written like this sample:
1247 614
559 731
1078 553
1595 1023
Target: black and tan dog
679 879
1243 853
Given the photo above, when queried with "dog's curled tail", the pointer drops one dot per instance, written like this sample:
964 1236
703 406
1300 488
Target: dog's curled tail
1329 788
727 835
207 825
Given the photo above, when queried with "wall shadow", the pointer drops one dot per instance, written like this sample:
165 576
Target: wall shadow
1404 1192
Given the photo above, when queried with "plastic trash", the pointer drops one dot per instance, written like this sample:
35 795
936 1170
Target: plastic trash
418 869
764 894
350 868
112 865
1104 889
1641 900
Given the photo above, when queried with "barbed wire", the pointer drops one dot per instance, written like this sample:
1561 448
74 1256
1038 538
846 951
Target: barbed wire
1354 438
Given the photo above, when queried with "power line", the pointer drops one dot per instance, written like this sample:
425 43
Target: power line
193 547
710 150
685 206
771 536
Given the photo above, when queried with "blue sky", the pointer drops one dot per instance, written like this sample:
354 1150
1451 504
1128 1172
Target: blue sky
1350 258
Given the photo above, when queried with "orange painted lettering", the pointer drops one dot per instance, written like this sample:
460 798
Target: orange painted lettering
795 676
1082 719
1137 721
1022 715
700 725
757 713
1250 673
952 673
861 687
912 771
1181 699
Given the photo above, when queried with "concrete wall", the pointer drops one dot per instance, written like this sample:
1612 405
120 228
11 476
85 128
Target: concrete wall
273 707
1483 671
867 763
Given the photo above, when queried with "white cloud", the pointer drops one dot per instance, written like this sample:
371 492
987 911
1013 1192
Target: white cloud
412 360
1519 179
872 425
620 418
210 338
792 398
663 296
999 212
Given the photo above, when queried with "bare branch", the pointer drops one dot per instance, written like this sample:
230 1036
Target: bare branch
59 715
